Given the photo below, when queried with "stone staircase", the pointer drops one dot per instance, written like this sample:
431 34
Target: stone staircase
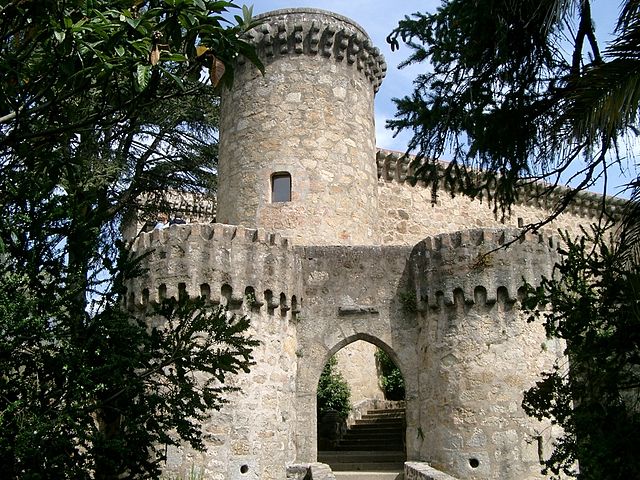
373 447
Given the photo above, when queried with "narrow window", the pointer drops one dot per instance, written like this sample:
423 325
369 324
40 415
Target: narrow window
280 187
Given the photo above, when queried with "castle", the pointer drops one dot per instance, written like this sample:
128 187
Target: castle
321 241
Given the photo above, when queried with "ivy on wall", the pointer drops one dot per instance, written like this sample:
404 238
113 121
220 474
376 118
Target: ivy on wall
391 380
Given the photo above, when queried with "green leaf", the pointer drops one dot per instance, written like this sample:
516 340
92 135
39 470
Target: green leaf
60 36
143 74
133 22
173 57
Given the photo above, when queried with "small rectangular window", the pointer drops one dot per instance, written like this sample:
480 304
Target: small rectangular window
280 187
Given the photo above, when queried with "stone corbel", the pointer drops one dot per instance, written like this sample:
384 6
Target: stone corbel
342 43
327 40
283 41
267 40
353 49
298 38
314 38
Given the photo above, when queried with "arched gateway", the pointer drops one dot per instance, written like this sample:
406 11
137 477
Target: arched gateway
323 243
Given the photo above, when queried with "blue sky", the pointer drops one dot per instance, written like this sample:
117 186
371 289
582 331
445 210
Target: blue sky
379 18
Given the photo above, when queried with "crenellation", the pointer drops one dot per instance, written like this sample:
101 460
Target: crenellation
357 252
494 259
226 295
397 167
313 36
461 298
219 261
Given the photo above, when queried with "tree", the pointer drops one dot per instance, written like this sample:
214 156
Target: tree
519 92
103 102
334 393
508 101
593 304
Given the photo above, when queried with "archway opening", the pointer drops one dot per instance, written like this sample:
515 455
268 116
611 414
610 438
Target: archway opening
361 410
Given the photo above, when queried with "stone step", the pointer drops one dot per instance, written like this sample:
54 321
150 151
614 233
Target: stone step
372 427
379 421
361 457
353 435
382 447
373 444
362 475
369 427
382 417
376 414
368 467
383 436
385 410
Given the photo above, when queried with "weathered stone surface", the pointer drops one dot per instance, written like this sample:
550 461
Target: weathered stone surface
310 115
423 471
360 259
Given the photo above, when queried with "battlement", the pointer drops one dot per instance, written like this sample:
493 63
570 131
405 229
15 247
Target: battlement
397 167
207 232
306 31
226 264
480 266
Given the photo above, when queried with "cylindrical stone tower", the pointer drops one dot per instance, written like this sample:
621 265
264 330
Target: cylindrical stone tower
297 144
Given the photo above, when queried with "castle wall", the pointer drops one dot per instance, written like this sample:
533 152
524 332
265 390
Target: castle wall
253 274
351 294
356 269
408 214
310 115
478 354
357 363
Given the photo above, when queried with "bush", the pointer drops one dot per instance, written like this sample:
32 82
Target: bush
333 391
391 379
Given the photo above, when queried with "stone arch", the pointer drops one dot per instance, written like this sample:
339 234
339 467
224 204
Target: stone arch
310 366
367 338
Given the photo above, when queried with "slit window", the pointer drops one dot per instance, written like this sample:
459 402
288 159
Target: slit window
280 187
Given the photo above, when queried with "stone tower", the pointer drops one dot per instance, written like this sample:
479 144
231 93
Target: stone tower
308 170
322 247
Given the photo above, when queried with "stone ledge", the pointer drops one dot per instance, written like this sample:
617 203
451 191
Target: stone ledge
357 310
424 471
310 471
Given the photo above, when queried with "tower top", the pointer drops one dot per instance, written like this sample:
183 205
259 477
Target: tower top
314 32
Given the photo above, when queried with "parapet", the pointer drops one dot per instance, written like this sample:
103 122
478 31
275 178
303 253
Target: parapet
397 167
306 31
479 266
162 207
228 265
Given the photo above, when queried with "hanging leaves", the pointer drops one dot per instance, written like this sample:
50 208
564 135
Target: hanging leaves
154 56
216 71
216 66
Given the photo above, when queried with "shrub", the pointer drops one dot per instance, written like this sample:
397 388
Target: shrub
391 380
333 391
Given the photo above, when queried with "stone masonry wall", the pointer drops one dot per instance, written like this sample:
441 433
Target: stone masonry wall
351 294
311 115
478 354
255 274
407 213
357 363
